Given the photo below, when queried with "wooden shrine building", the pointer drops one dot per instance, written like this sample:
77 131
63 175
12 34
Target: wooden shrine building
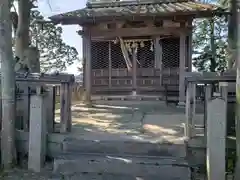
138 46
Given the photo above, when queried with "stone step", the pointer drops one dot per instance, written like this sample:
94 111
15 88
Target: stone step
108 176
68 164
125 147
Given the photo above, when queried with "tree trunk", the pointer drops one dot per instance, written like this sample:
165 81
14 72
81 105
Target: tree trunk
213 63
232 34
237 26
31 58
22 40
8 86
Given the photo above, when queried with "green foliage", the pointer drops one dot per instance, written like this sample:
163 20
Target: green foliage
54 53
206 57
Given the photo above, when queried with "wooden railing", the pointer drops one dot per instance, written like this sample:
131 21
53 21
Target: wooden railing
121 79
26 87
36 107
217 114
76 88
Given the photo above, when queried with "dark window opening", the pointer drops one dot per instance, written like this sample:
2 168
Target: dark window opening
100 55
145 55
170 49
117 58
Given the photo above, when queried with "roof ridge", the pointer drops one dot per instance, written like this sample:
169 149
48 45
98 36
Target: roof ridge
129 3
166 8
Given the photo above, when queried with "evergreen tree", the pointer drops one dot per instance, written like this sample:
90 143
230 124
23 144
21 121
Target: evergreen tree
31 31
210 44
54 53
210 41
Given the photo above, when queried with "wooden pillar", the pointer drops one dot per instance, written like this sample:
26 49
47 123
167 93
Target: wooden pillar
134 71
1 107
158 56
25 106
69 103
65 119
37 131
160 61
109 65
88 67
156 52
216 136
208 95
182 69
190 52
190 110
194 100
51 109
84 70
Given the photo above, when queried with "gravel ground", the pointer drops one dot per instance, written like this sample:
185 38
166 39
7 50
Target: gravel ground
21 173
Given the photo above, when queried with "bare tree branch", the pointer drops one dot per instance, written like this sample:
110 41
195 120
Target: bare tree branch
49 4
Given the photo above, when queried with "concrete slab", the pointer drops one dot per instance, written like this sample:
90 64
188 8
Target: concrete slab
125 148
124 165
105 176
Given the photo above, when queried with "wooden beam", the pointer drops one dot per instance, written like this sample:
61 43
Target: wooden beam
131 32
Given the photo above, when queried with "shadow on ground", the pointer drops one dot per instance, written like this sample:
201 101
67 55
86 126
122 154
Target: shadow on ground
128 121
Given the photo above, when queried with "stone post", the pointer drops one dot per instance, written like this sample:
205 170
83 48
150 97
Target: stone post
37 131
216 136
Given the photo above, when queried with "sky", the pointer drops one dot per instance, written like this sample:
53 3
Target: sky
69 35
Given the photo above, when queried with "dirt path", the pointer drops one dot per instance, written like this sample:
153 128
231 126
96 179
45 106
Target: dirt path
152 121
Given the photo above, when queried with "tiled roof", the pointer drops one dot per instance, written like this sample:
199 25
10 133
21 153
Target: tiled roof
115 3
141 9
